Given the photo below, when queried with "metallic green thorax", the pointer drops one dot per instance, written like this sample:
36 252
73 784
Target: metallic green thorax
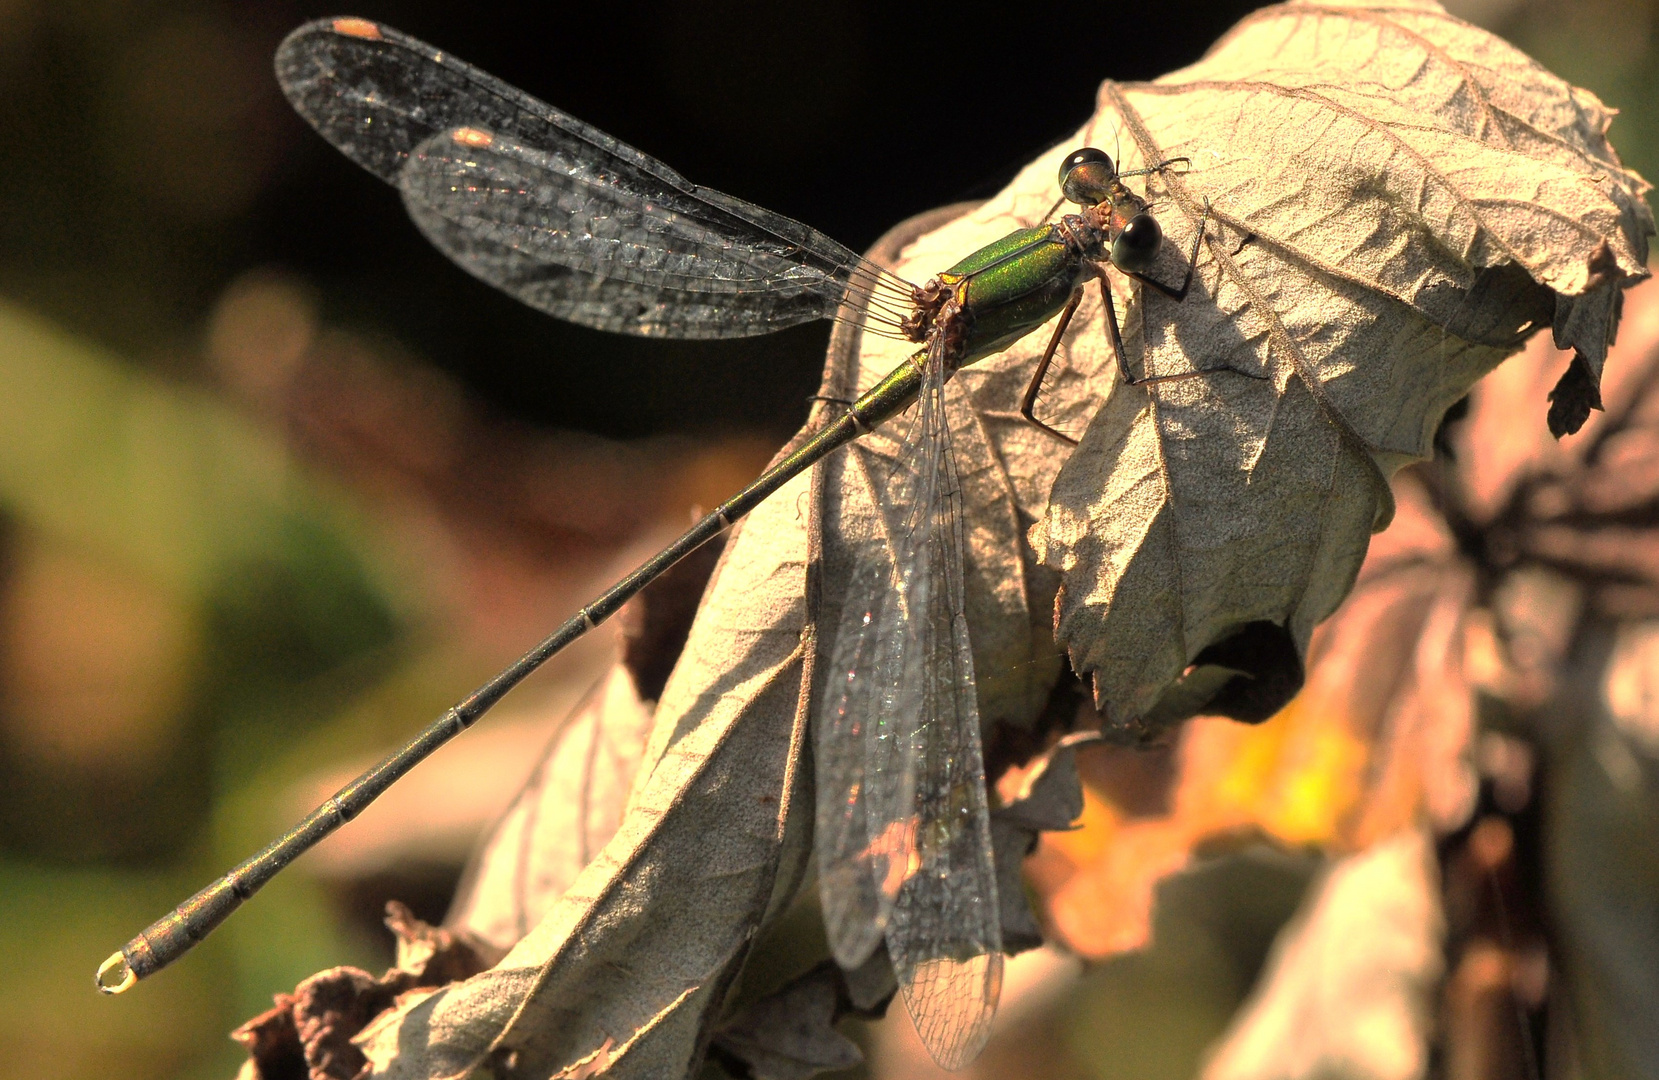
1009 288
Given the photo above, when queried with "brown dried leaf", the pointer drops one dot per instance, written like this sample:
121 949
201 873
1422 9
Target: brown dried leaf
1015 662
1350 987
567 811
310 1034
1376 173
572 804
1376 738
1191 508
1391 260
1380 738
626 970
790 1034
1049 798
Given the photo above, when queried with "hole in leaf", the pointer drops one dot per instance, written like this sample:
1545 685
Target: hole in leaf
1269 671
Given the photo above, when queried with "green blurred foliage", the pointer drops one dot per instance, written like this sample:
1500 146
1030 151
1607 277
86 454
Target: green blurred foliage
202 521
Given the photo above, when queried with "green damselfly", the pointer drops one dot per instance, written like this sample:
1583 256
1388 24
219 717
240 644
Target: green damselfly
584 227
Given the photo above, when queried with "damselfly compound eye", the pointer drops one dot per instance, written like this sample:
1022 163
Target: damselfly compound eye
1136 247
1079 157
1086 176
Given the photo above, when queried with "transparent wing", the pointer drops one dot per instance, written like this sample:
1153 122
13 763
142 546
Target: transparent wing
865 740
904 835
526 221
857 877
944 935
556 212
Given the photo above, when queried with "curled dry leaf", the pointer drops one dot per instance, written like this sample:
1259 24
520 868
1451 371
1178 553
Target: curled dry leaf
1049 797
1376 741
573 802
309 1034
1383 182
790 1034
623 974
570 807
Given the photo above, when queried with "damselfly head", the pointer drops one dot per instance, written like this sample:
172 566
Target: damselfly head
1087 176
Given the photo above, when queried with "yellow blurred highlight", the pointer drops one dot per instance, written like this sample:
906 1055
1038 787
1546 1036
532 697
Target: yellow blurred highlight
1298 779
1295 777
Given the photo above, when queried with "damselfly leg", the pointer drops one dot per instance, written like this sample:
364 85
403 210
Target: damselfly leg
1033 390
1028 403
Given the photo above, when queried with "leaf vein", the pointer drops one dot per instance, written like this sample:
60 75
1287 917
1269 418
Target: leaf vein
1276 330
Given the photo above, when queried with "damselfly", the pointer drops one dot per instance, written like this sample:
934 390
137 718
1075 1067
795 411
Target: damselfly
584 227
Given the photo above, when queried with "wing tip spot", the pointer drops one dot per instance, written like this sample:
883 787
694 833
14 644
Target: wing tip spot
472 137
358 28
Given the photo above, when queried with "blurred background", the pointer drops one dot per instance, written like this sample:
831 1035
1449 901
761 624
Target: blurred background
278 482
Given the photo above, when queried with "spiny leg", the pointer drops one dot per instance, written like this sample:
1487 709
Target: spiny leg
1123 360
1029 402
1117 339
1180 294
1177 295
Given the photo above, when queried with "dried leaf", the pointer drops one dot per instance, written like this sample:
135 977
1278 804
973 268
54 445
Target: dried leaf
567 811
1376 174
1372 171
310 1033
572 804
1049 798
790 1034
1014 662
625 973
1379 732
1574 398
1270 482
1350 986
1380 738
625 970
